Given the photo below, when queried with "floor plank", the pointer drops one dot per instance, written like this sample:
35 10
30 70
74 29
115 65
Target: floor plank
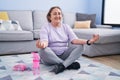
112 61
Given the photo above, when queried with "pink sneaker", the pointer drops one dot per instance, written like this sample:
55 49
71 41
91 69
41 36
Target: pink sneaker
19 67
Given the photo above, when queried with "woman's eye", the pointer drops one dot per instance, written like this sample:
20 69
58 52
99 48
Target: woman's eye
57 13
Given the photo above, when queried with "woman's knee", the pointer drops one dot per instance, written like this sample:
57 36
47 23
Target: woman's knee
80 46
46 50
77 46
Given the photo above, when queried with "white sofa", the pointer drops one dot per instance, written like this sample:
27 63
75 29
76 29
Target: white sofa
108 44
13 42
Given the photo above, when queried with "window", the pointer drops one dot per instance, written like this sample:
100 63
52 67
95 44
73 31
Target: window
111 12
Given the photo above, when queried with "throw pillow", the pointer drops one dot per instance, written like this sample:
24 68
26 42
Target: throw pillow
82 24
1 27
4 16
9 25
84 17
16 25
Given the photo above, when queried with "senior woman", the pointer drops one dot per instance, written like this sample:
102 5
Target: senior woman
53 43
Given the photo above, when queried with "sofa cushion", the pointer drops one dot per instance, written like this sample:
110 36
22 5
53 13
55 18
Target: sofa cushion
4 15
16 25
16 35
82 24
8 25
39 18
106 35
84 17
69 18
36 34
24 17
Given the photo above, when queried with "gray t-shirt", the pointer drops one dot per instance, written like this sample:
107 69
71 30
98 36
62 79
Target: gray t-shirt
58 37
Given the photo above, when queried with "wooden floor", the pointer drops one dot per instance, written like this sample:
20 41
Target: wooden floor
113 61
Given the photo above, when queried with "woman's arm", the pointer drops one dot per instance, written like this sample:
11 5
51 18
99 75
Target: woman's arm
84 41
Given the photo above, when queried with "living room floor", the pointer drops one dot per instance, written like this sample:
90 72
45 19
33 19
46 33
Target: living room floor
112 60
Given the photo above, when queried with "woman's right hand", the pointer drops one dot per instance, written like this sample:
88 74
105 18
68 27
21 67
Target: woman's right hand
42 44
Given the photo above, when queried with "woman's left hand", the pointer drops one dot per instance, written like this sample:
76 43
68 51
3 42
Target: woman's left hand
94 38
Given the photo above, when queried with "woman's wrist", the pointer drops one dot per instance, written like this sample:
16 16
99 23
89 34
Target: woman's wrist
88 42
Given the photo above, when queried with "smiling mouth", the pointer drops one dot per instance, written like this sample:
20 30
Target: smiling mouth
57 19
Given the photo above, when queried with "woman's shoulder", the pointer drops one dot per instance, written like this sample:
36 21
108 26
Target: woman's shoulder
46 25
66 25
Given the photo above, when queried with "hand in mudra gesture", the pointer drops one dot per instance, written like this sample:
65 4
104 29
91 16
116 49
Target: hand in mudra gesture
94 38
41 44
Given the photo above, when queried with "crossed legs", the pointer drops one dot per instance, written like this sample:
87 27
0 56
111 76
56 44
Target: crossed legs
66 59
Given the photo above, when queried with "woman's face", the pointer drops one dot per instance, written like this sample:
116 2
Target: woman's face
56 16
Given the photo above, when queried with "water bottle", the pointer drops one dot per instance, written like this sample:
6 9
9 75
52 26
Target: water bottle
36 63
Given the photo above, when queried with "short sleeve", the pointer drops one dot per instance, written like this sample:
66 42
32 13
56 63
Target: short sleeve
70 33
44 33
